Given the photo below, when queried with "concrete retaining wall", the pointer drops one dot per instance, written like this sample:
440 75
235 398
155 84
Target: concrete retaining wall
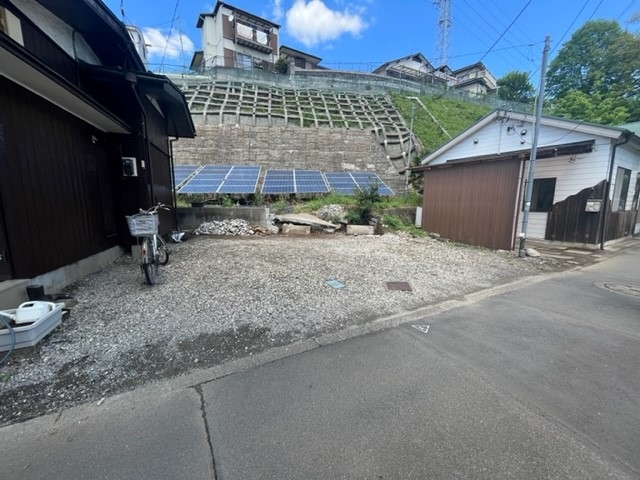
190 218
274 147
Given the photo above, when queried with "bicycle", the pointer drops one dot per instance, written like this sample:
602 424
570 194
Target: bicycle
153 250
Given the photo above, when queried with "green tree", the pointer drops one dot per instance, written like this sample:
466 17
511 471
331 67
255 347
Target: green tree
600 61
282 66
516 87
595 108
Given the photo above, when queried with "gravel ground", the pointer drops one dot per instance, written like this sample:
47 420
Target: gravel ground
223 298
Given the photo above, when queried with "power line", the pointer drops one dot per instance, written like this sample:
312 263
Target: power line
625 10
569 27
595 10
480 28
506 30
173 18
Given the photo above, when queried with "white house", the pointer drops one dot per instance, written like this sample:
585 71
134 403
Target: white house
585 190
234 38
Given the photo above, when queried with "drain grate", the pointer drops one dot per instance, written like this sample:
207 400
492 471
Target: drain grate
402 286
633 290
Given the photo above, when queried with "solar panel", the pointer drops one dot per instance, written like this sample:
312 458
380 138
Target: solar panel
241 179
278 181
350 183
366 179
207 180
182 172
341 182
310 181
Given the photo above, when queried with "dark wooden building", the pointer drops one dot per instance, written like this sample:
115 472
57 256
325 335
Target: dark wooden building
84 134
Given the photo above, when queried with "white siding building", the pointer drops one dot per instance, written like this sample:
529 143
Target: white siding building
574 159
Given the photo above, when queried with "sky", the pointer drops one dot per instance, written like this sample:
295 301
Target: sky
361 35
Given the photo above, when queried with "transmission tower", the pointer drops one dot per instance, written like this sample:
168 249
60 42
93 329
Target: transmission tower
444 22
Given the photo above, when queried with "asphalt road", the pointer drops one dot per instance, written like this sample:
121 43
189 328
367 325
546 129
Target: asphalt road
533 384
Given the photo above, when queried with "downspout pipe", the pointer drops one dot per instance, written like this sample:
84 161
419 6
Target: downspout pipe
132 79
174 203
626 136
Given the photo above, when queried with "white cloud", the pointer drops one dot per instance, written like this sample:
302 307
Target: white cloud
312 22
277 11
172 48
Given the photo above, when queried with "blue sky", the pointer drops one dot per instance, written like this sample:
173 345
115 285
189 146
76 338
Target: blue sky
362 34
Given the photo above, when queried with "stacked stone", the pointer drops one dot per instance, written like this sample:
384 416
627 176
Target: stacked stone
234 227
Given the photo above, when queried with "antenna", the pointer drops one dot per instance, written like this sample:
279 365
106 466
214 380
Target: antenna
444 23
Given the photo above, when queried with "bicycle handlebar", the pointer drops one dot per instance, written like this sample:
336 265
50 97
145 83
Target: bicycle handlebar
154 210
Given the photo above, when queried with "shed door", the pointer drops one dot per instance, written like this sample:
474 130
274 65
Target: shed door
474 203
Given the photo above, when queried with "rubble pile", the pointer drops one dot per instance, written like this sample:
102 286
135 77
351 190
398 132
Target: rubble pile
235 227
332 213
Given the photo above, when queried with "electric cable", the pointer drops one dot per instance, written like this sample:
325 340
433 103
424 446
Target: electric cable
506 30
173 18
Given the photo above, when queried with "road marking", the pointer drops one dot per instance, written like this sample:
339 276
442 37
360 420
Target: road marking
422 328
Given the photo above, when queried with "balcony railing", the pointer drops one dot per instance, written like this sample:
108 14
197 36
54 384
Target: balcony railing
253 36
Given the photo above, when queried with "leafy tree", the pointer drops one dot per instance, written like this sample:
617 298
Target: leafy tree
282 66
600 61
595 108
516 87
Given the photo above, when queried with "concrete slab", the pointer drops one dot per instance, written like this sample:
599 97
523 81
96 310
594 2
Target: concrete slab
132 436
360 230
290 229
579 252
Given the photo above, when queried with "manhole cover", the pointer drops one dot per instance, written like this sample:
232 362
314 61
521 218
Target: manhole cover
402 286
633 290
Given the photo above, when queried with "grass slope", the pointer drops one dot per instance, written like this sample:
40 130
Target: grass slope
453 115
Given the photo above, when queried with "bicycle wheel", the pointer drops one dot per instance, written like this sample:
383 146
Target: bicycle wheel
163 252
149 263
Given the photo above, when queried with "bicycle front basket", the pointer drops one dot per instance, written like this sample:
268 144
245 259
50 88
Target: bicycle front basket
143 224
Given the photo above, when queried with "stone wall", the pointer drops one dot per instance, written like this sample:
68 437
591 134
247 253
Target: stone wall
275 147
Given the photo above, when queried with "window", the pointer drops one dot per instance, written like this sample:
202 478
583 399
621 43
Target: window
621 190
300 62
243 61
542 194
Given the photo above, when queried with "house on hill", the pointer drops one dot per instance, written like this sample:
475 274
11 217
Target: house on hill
413 67
585 190
235 38
475 79
84 139
299 60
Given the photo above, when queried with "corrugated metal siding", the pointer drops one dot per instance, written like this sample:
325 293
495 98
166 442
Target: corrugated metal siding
52 184
473 204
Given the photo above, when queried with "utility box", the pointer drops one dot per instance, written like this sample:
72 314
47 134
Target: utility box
129 167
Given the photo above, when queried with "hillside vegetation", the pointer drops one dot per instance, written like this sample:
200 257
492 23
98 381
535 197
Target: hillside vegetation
453 116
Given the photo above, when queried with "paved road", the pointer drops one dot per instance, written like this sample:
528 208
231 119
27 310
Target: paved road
535 383
538 383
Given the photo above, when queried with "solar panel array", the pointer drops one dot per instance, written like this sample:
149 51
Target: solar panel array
350 183
222 179
294 181
243 179
183 172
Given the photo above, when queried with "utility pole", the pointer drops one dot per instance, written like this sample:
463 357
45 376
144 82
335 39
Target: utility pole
534 147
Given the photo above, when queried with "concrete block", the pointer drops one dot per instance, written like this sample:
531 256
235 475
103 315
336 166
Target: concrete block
290 229
360 229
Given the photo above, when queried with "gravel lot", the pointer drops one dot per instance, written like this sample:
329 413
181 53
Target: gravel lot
222 298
